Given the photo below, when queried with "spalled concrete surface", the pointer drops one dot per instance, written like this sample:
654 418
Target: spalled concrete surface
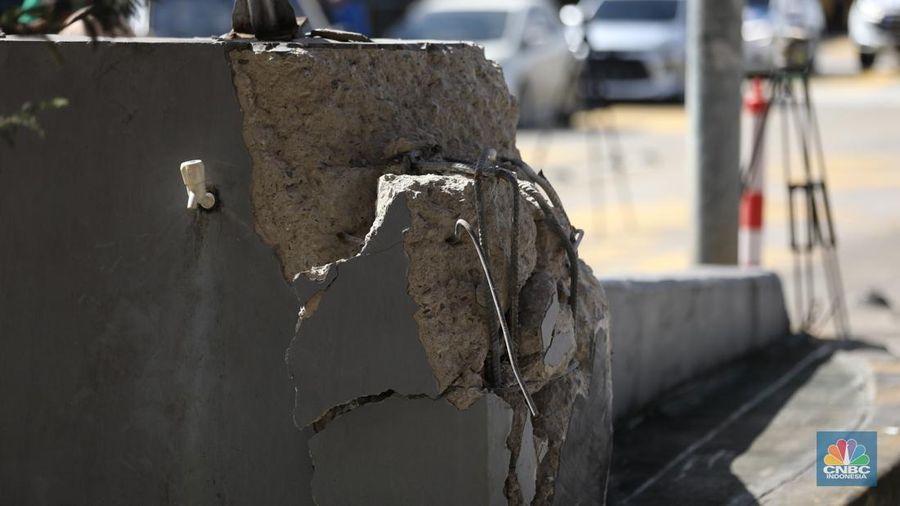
587 451
670 328
443 280
321 127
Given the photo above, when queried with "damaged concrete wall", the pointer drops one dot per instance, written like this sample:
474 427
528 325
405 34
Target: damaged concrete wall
451 102
322 227
409 243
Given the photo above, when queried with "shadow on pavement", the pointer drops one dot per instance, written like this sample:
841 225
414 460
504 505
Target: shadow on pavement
681 449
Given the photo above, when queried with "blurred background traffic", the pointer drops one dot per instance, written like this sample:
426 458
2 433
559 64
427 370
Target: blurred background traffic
558 57
601 87
621 49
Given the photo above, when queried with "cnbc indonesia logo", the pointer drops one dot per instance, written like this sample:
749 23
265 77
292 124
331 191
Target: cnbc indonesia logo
846 459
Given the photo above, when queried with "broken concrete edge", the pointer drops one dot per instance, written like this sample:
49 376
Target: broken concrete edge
373 243
372 287
214 310
394 189
318 179
550 430
311 286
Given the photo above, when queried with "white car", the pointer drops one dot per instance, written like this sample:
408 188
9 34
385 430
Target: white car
768 24
525 37
874 25
637 49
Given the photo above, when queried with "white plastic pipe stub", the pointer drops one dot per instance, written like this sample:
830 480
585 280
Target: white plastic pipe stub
193 172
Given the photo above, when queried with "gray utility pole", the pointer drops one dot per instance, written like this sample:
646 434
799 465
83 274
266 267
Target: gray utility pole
715 70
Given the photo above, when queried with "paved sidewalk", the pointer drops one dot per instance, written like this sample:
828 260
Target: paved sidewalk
746 434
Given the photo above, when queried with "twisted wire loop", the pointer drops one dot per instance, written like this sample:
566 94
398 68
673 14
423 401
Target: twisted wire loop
569 236
542 192
464 225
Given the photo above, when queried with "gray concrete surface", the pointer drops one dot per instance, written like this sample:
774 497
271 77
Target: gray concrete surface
142 344
375 454
667 329
359 337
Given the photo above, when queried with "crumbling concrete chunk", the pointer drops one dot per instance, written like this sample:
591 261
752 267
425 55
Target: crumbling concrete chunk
325 128
445 276
584 457
442 278
551 429
319 119
538 311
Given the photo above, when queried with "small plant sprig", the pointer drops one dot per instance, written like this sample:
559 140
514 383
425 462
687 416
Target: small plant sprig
26 118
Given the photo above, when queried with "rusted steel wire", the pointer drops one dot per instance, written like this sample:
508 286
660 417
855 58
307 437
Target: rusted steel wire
512 272
513 363
543 193
487 159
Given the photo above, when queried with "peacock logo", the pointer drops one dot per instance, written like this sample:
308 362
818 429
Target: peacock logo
846 452
847 459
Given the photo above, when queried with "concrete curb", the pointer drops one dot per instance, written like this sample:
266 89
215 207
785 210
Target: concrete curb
669 328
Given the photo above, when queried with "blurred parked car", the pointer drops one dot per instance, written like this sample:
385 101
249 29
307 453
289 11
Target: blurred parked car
190 18
525 37
637 49
770 24
205 18
874 25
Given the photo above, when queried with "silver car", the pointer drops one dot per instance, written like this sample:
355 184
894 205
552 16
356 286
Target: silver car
874 25
637 49
525 37
769 26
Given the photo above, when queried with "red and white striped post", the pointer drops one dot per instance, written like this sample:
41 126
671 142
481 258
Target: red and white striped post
750 239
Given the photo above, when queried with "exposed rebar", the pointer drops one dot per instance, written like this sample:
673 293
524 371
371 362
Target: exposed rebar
513 363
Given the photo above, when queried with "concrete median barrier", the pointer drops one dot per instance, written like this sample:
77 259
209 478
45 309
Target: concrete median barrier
310 332
669 328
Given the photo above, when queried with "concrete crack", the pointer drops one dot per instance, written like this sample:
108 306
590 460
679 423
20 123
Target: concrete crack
322 422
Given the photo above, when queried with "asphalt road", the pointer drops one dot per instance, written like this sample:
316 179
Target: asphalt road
637 216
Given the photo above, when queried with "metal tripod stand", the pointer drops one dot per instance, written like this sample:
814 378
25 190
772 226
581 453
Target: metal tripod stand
811 228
